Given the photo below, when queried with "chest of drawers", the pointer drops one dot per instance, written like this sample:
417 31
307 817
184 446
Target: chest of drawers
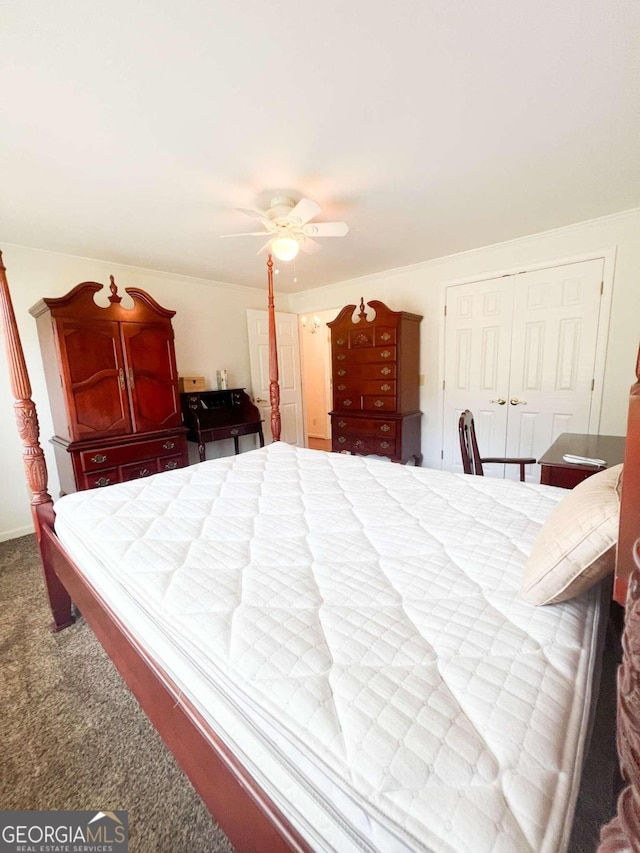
375 364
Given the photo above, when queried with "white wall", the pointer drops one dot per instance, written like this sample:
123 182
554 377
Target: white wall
210 333
419 289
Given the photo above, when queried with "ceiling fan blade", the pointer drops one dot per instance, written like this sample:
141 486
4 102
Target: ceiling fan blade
246 234
254 214
266 248
304 210
326 229
309 246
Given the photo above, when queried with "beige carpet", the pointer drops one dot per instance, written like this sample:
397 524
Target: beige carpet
73 737
71 734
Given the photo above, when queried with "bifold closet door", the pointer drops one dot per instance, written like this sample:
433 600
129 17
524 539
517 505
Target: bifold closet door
520 353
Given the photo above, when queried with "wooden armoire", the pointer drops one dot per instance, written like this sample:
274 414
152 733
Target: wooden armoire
375 369
113 387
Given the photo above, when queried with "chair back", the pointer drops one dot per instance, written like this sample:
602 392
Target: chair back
471 463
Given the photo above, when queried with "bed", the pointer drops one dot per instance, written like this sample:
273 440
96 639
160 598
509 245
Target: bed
336 666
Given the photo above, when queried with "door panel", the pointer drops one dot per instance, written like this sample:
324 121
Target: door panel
289 372
149 367
91 356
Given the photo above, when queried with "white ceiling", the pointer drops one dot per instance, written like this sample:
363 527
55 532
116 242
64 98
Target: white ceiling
130 131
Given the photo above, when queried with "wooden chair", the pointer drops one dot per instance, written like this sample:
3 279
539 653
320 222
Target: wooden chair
471 459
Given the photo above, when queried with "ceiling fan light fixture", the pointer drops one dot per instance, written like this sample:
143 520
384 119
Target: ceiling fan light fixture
285 248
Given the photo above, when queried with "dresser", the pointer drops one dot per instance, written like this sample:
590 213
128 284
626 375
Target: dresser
113 386
214 415
375 363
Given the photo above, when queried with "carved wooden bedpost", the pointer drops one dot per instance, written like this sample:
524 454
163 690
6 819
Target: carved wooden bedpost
623 832
274 387
35 466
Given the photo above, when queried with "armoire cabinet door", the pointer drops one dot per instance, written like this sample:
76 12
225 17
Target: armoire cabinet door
96 396
151 378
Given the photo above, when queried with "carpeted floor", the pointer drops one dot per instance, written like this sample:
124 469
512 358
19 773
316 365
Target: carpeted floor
73 737
71 734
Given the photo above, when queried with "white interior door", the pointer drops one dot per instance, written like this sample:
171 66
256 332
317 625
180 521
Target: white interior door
289 372
520 354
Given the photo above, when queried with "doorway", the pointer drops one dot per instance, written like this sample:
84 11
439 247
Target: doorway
317 391
520 351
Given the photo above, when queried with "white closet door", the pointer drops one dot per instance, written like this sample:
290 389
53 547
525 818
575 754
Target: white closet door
556 314
520 353
477 352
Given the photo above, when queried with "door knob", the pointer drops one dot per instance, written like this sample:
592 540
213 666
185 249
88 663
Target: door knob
500 401
515 402
260 400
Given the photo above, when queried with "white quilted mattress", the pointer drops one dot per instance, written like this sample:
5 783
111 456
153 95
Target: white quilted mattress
352 629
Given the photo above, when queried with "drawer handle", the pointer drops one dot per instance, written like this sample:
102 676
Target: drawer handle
347 402
144 472
385 337
385 427
385 387
234 431
379 404
384 445
169 445
359 443
103 481
340 341
385 371
341 356
341 439
342 424
170 466
342 387
98 458
385 353
342 372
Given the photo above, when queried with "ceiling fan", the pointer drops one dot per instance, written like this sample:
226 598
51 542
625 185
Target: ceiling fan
288 227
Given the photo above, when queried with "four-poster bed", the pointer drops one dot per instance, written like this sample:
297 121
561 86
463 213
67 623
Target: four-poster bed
338 498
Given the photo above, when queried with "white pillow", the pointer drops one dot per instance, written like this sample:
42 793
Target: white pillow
577 544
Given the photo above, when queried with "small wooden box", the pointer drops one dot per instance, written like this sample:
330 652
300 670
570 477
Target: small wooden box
191 383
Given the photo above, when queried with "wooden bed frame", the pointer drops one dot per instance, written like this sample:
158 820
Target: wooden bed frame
249 818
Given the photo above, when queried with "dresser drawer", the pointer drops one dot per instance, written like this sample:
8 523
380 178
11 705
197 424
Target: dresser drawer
138 470
385 336
361 338
363 426
364 444
94 460
353 402
170 463
97 479
365 372
379 403
348 386
366 355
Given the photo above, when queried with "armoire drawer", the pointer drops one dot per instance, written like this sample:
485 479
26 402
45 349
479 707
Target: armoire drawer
138 470
364 444
348 386
379 403
366 355
365 372
93 460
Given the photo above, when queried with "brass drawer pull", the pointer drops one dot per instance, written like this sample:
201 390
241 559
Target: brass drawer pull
234 431
169 445
341 439
144 472
170 466
385 371
98 458
342 372
385 387
347 402
385 353
341 356
379 403
103 481
385 427
342 387
340 341
385 337
384 445
342 424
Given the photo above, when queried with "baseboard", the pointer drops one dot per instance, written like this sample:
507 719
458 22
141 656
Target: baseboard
15 533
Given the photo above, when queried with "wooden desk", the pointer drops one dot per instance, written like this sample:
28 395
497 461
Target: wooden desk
213 415
556 472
